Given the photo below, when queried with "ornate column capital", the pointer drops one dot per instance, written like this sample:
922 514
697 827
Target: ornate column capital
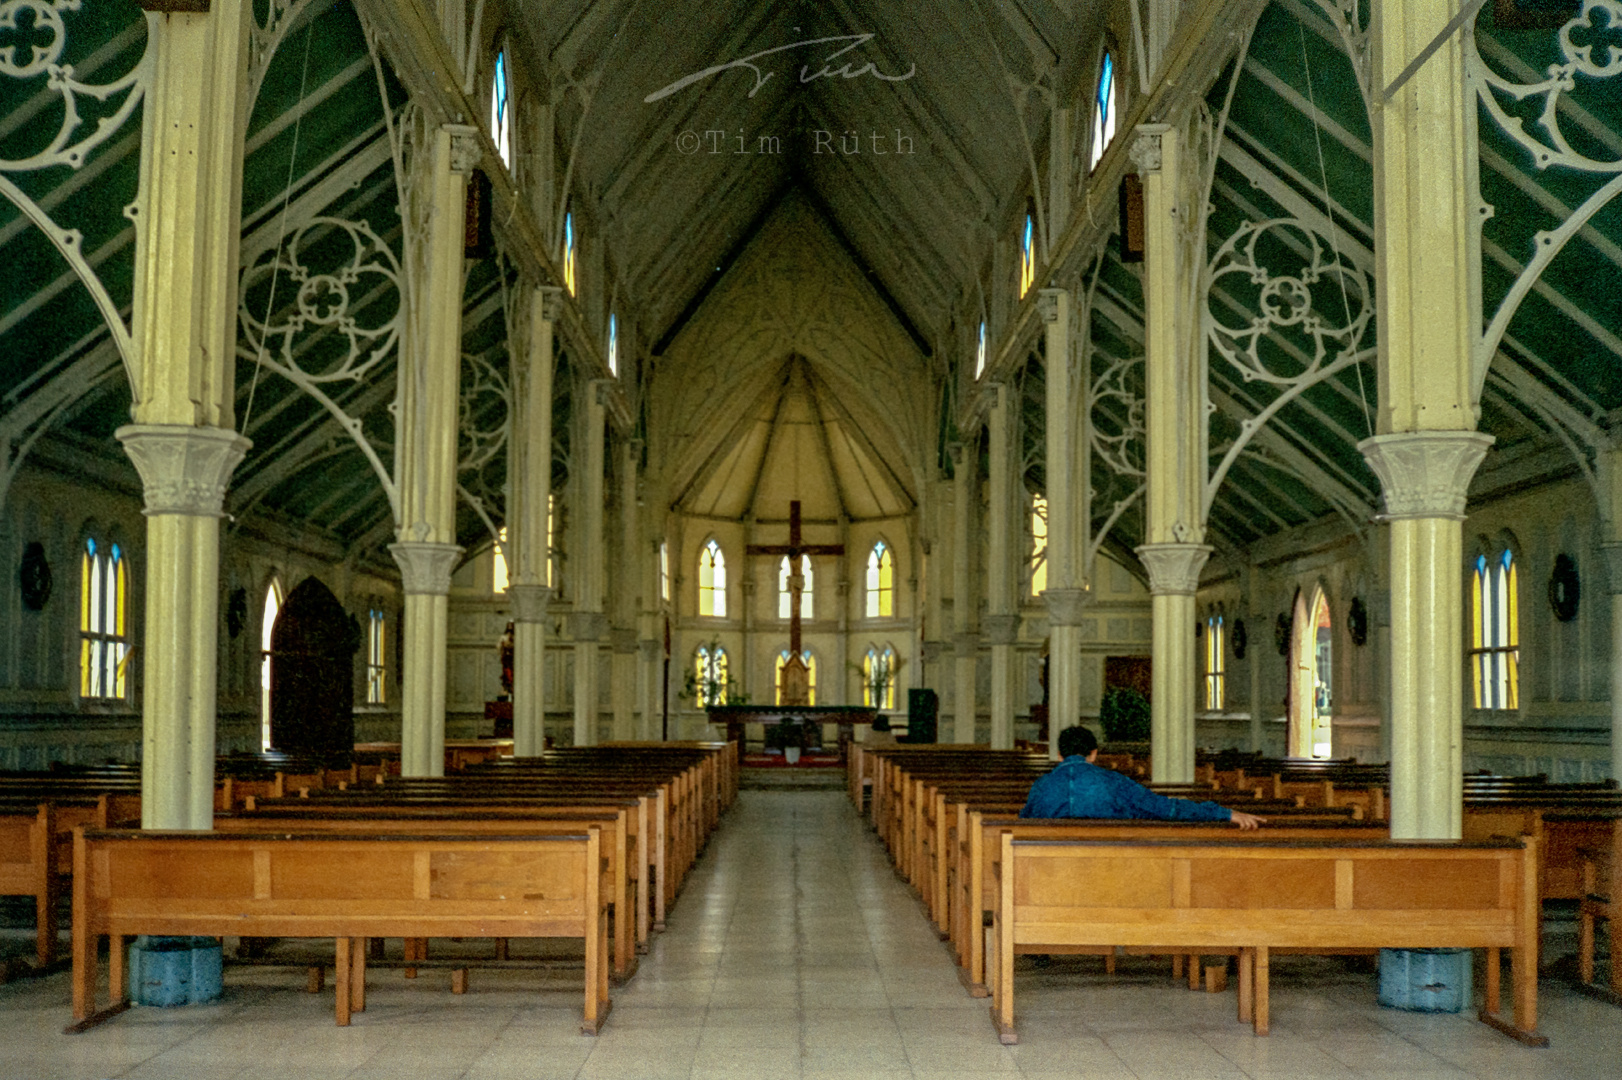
587 626
529 602
1425 474
467 147
1001 629
966 645
1066 606
184 469
425 569
1174 569
1145 150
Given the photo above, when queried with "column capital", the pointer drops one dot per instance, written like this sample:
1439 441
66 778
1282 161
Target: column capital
551 300
1145 150
587 626
1174 569
425 569
648 648
1425 474
467 147
1066 606
623 639
966 645
184 469
529 602
1001 629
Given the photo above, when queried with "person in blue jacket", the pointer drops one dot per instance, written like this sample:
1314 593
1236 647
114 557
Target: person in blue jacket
1077 788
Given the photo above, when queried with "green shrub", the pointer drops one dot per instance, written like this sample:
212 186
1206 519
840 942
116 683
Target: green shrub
1124 715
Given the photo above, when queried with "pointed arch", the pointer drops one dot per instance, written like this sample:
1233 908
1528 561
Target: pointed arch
274 595
880 591
809 658
785 595
712 580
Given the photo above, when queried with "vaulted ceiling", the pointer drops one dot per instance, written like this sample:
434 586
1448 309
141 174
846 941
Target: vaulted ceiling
687 225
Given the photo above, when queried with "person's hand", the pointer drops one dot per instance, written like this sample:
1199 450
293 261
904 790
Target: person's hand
1246 821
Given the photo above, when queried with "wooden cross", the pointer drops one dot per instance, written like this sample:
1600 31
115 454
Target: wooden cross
795 676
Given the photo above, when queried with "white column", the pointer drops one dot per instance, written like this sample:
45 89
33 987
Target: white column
425 448
965 597
1003 519
588 623
527 533
1068 469
1174 551
1256 623
188 228
1426 449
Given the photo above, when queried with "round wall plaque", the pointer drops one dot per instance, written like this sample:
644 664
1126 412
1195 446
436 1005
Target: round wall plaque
1565 588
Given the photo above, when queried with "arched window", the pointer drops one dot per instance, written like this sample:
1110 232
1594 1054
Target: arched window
1027 257
498 563
1104 110
710 675
1039 544
501 120
104 646
551 538
980 351
879 678
810 676
613 345
664 570
1215 672
273 608
880 582
1495 654
785 595
568 261
712 581
376 664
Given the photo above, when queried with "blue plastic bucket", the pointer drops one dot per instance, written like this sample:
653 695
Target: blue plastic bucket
1427 980
170 971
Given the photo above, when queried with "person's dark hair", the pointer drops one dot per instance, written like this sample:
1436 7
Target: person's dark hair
1077 740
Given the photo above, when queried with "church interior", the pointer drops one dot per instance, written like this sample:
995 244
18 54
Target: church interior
386 382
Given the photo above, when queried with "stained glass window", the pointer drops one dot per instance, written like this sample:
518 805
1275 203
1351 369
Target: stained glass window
664 570
710 671
1027 257
1215 672
1495 653
980 351
104 647
879 678
880 582
273 608
570 264
712 581
498 562
501 121
1104 110
613 345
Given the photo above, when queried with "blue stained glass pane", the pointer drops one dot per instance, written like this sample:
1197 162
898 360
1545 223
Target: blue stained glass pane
90 545
1509 557
1106 81
1481 564
117 554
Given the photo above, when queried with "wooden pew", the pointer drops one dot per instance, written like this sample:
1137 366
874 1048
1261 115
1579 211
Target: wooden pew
974 896
1601 900
1322 896
612 824
341 886
28 867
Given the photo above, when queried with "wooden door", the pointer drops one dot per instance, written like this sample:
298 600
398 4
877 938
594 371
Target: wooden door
312 674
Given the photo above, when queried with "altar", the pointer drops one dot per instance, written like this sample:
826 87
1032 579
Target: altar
734 717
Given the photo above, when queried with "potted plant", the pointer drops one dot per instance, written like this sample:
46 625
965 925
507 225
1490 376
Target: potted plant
1124 716
787 735
715 687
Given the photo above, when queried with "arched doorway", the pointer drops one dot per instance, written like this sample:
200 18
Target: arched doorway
312 674
1311 682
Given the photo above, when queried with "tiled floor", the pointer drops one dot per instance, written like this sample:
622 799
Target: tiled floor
795 952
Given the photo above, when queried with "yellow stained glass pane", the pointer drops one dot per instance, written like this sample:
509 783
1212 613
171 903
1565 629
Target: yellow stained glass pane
84 668
86 566
120 593
1512 636
1478 608
121 670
